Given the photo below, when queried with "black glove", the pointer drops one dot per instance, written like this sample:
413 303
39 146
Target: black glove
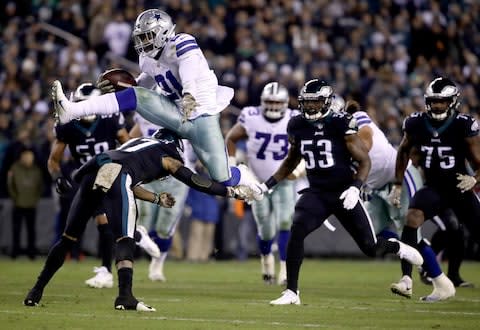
62 185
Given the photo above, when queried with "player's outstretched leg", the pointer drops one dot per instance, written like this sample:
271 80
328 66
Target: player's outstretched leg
60 103
106 104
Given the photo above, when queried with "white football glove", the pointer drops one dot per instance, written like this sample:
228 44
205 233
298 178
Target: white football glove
465 182
188 105
395 194
350 197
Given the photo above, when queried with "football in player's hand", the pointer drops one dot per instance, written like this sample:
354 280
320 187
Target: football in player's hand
118 79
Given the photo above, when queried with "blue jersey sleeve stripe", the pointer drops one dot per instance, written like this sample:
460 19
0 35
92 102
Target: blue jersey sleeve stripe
361 116
363 121
185 43
186 49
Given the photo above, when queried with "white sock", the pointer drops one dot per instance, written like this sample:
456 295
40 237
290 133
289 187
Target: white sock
163 256
98 105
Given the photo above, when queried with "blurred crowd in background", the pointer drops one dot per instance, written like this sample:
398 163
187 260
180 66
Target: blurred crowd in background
381 53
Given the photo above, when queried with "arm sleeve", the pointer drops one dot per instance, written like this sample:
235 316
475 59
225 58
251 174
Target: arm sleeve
200 183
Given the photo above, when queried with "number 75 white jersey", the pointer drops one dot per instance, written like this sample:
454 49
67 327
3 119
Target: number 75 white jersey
267 143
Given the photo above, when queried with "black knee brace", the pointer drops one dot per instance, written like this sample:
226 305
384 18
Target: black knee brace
125 249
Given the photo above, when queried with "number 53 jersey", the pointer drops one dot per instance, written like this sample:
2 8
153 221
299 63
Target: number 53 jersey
323 147
441 145
267 143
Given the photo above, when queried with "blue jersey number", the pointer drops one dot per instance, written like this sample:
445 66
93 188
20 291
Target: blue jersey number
170 85
281 139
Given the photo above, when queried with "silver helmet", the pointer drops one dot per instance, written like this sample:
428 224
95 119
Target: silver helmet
274 100
84 92
441 98
153 28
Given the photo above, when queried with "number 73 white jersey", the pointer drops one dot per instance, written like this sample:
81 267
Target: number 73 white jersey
267 143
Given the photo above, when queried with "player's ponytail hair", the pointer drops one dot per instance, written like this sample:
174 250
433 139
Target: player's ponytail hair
352 107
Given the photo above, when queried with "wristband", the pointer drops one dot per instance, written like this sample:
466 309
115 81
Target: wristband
357 183
271 182
156 200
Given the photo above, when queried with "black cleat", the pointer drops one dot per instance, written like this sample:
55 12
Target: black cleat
130 303
460 283
33 297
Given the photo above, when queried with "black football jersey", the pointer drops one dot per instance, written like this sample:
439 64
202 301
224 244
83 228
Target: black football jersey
142 158
441 145
322 144
86 140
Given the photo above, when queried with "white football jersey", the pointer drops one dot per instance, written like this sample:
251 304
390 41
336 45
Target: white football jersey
197 78
382 154
147 129
267 143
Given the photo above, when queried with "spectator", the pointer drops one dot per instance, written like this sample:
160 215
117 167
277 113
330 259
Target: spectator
25 184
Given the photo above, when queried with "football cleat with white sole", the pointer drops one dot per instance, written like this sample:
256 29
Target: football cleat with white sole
155 270
247 178
33 297
102 279
403 287
288 297
60 104
147 244
132 304
443 289
408 253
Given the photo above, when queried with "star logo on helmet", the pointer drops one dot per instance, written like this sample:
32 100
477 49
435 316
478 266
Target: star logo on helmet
157 16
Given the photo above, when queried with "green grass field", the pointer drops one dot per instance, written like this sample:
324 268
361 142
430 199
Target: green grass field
336 294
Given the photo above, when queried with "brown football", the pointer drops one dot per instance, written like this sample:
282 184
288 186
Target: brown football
119 78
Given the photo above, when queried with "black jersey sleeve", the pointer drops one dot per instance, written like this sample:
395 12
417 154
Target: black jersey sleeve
118 121
61 133
199 182
471 127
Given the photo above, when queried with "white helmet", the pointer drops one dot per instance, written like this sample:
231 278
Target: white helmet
84 92
274 100
153 28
